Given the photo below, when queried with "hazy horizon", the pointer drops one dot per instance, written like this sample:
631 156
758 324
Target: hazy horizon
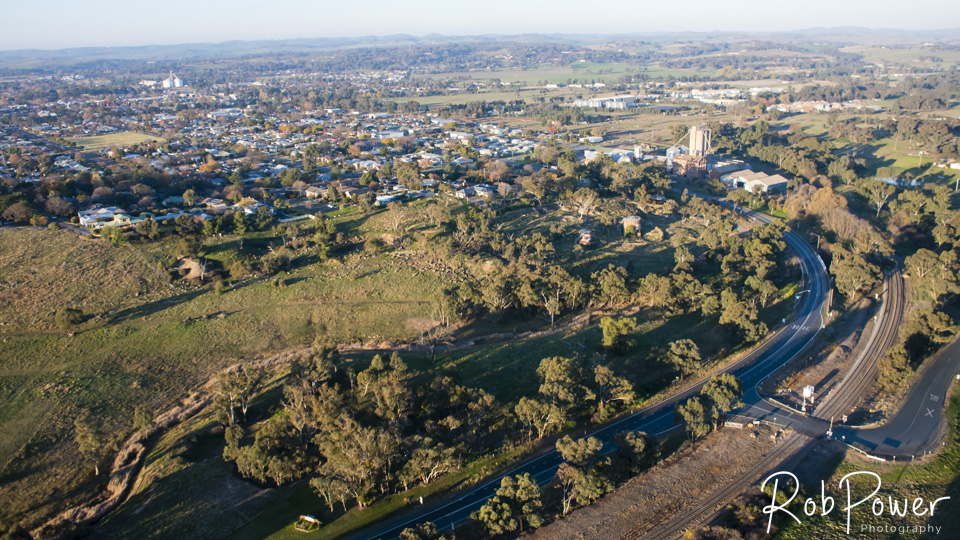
108 23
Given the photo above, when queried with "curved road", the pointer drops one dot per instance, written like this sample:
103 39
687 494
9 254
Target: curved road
917 426
658 419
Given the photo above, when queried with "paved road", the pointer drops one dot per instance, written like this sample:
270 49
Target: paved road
916 428
658 419
843 399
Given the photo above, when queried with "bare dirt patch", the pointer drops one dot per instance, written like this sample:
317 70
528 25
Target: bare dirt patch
688 476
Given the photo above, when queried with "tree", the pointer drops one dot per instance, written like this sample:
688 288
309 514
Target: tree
90 440
211 227
702 413
933 277
497 170
876 191
912 202
579 452
115 235
684 355
582 477
697 415
655 291
408 175
392 396
185 225
331 490
396 217
190 197
742 315
724 392
423 531
535 186
854 274
562 383
18 212
240 222
361 456
683 257
611 284
616 330
237 388
610 387
263 218
739 196
148 228
635 450
190 246
428 461
60 207
585 200
517 501
537 416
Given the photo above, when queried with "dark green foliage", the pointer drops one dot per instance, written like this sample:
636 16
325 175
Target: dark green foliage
68 318
516 504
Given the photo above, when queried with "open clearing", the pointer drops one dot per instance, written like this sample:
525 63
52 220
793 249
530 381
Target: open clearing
123 138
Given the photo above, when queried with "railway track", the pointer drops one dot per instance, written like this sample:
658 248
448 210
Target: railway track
858 380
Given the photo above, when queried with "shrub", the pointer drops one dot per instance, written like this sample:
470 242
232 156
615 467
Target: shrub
374 245
67 318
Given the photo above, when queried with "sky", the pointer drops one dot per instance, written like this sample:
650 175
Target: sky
57 24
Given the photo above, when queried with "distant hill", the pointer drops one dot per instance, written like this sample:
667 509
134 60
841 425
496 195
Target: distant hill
187 51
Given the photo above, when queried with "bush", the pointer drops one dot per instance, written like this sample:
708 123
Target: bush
68 318
656 235
374 245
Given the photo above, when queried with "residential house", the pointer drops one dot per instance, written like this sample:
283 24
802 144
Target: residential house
315 192
215 205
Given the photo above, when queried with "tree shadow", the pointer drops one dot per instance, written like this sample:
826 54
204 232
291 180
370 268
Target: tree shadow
152 308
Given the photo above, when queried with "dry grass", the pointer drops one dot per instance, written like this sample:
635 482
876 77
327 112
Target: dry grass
42 271
121 139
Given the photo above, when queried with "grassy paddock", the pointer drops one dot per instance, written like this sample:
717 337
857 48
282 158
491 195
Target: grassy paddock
121 139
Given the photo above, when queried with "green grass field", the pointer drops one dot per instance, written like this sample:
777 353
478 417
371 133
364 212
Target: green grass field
121 139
